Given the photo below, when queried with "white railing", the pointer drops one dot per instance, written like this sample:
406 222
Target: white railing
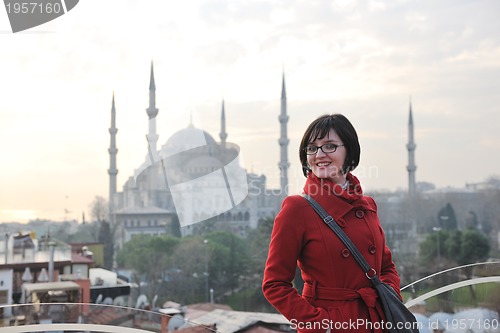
464 299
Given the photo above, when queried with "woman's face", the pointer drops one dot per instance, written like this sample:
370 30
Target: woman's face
328 165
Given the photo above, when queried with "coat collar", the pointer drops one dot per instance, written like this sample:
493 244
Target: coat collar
329 194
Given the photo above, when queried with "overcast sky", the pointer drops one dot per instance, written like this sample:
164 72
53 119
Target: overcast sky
360 58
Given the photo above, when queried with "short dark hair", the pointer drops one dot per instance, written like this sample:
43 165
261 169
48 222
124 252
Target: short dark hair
320 128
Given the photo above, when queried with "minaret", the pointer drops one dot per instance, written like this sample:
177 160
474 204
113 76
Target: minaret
283 142
112 171
152 112
223 134
411 156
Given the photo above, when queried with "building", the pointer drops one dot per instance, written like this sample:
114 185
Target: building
189 179
29 260
33 268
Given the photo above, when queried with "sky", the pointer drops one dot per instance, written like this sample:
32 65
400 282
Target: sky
364 59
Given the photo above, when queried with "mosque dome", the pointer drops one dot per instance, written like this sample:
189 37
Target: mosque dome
186 139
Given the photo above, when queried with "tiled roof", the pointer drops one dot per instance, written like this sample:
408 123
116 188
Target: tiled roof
233 321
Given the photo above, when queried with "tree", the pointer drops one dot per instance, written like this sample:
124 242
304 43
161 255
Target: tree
84 232
99 215
188 262
180 271
230 257
474 247
446 218
99 209
453 247
452 243
87 232
175 227
471 221
489 212
60 232
149 256
106 238
259 240
434 248
461 247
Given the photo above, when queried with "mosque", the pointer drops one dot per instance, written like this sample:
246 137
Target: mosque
194 184
192 178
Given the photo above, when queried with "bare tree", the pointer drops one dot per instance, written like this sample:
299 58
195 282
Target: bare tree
98 215
99 209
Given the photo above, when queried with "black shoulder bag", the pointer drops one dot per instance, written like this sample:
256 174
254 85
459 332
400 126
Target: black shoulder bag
398 318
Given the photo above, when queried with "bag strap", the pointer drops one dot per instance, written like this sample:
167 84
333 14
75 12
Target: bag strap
370 272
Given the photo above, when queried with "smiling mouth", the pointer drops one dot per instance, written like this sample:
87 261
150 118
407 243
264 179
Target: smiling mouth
323 164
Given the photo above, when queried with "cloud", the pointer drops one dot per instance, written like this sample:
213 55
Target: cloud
360 58
223 53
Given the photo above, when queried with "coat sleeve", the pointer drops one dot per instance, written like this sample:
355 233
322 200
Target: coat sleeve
284 250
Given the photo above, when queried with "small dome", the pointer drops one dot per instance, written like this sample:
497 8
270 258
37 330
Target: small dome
187 139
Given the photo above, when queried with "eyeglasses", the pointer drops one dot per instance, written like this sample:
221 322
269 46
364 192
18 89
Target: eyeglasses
326 148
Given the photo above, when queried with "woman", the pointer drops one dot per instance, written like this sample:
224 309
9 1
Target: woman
337 295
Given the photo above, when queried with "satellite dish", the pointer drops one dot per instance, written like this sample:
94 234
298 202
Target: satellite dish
119 301
154 301
108 301
99 299
43 277
175 322
142 301
27 277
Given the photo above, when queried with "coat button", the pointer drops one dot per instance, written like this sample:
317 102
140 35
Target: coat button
345 253
360 214
372 249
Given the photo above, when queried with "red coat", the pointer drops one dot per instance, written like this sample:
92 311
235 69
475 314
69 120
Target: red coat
337 294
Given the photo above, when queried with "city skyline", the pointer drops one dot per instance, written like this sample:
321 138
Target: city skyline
365 59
